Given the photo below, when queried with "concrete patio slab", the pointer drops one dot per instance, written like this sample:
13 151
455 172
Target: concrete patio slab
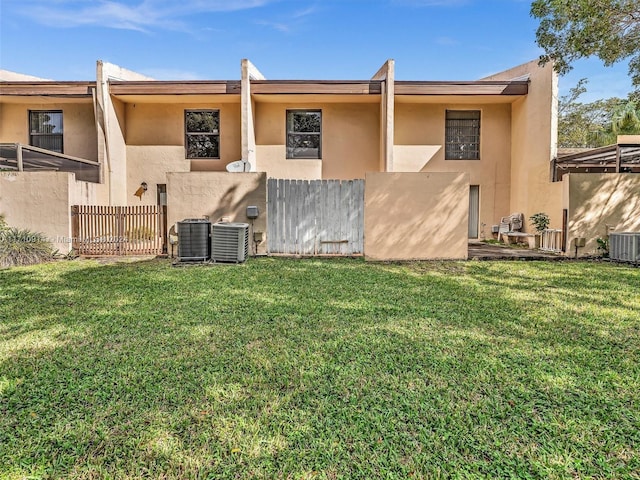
492 251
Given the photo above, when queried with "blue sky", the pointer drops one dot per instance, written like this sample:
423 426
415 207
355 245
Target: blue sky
285 39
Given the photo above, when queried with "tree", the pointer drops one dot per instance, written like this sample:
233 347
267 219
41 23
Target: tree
597 123
578 121
574 29
574 118
625 120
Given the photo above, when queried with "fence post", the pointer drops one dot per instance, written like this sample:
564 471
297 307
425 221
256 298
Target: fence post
75 228
120 214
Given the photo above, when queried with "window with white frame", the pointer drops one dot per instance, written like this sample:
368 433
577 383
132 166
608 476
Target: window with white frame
45 129
462 135
304 134
202 134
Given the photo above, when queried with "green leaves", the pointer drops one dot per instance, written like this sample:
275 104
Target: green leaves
597 123
625 120
540 221
574 29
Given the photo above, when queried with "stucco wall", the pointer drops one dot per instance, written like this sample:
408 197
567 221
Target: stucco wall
629 139
41 202
163 125
79 127
419 147
269 160
112 150
150 164
534 138
217 195
416 216
350 137
598 203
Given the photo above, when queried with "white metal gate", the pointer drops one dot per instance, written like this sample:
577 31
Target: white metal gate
315 217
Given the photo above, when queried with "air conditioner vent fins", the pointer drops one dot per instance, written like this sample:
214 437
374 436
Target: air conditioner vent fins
624 246
193 238
229 242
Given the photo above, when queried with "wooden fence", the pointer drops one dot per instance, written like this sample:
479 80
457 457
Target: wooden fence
108 230
317 217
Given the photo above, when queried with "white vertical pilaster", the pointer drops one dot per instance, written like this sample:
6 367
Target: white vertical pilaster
387 114
249 72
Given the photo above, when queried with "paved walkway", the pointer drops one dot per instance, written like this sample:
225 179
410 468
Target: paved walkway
490 251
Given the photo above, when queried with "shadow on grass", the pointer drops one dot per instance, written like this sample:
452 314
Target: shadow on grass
284 367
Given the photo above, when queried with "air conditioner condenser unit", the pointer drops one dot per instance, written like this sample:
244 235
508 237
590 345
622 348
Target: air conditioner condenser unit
193 240
624 246
229 242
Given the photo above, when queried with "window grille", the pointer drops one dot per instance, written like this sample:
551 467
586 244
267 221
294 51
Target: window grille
462 134
202 132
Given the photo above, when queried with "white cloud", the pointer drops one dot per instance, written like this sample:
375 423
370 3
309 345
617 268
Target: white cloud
291 22
141 15
280 26
305 12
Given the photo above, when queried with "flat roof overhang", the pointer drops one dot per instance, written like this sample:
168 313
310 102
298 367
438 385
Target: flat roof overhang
315 99
369 91
471 93
46 92
472 88
315 92
471 100
174 91
316 87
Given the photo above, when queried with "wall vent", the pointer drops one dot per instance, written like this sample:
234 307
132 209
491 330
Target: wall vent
624 246
193 240
229 242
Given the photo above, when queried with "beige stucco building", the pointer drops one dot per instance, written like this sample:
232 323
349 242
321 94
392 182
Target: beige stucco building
493 140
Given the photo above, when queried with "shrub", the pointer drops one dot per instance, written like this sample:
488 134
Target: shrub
603 247
540 221
23 247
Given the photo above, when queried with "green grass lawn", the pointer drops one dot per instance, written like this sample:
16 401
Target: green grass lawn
282 368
